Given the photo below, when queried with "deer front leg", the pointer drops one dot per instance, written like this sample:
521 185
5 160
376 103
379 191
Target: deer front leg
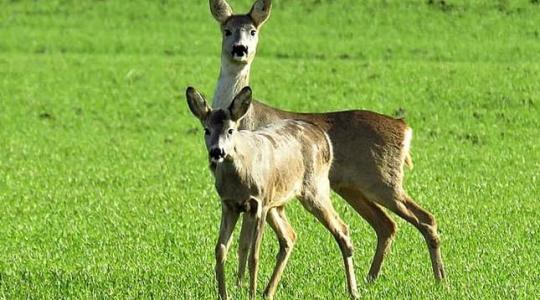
246 234
229 216
258 217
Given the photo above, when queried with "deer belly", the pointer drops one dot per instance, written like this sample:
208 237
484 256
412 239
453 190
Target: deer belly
283 190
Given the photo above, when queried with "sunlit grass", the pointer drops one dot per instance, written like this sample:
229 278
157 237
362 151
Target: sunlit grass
104 189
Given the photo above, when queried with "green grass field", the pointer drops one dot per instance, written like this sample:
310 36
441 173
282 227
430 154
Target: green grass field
104 187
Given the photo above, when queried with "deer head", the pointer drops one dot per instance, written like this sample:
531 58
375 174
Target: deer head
240 32
220 125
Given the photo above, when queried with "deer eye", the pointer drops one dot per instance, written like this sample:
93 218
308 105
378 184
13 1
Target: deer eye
227 32
206 131
253 32
230 131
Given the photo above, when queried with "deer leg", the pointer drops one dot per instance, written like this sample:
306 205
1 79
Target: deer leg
229 217
425 222
405 207
246 233
384 226
321 207
286 237
258 217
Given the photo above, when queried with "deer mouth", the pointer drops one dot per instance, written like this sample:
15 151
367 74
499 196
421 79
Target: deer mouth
215 161
239 51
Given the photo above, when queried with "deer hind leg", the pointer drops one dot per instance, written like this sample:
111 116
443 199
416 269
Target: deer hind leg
321 207
404 206
286 236
384 226
428 227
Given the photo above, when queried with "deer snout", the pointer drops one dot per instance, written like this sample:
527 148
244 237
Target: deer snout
239 50
217 153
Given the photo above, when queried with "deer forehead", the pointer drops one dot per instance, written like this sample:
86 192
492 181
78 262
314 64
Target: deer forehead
218 119
239 21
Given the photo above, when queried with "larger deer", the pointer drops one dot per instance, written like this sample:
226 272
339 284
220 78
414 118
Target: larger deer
370 149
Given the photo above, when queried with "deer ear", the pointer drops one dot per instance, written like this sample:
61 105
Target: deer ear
221 10
197 104
260 11
240 104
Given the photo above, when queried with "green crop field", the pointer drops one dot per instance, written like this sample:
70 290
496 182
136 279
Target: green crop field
104 186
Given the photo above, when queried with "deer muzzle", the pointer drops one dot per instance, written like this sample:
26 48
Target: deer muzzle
217 154
239 50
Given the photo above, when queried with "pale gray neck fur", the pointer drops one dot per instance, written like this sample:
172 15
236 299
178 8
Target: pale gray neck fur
233 77
247 145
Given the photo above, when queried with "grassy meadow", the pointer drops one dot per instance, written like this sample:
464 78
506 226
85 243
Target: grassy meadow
104 186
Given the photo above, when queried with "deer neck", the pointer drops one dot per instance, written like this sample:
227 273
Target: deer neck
240 165
233 77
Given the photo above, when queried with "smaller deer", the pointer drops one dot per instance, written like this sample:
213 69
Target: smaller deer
258 172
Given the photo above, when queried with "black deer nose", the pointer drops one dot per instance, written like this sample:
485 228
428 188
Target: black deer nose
239 50
217 153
